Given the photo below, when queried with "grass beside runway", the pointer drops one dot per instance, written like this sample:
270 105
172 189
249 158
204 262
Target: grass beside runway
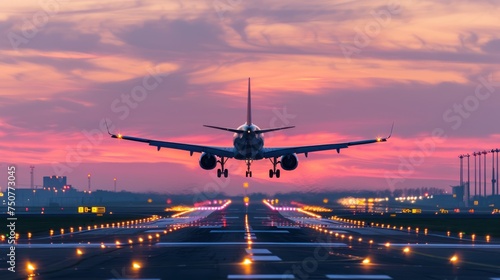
468 224
40 225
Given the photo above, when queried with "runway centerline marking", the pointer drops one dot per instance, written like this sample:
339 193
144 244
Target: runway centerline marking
357 276
265 258
244 231
261 276
257 251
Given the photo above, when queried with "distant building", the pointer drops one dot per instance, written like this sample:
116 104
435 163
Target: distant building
458 193
57 182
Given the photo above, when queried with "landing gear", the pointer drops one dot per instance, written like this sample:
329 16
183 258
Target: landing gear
274 171
248 173
222 171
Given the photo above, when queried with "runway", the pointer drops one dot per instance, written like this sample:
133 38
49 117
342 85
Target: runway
253 242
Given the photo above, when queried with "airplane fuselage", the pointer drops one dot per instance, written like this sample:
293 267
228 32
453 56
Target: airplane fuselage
248 145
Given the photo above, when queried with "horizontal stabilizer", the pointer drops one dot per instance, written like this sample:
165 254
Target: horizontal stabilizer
272 129
224 128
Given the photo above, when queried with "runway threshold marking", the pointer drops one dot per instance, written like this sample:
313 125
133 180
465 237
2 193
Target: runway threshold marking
260 276
357 276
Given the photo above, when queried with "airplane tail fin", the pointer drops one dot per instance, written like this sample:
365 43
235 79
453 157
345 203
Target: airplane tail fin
249 119
249 105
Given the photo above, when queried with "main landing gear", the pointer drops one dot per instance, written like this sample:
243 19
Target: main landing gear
274 171
222 171
248 173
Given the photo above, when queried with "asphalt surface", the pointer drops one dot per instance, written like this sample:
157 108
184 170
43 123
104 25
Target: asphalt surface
251 242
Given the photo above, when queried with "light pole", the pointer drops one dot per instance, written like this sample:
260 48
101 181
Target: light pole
475 173
32 175
115 183
88 176
493 180
497 150
468 180
484 153
479 172
461 157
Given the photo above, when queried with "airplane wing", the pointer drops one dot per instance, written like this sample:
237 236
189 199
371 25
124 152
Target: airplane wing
281 151
218 151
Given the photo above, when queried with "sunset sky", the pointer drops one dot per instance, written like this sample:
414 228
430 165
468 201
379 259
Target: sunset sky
337 70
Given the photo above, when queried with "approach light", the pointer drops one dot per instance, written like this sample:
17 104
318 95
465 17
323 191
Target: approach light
31 267
136 265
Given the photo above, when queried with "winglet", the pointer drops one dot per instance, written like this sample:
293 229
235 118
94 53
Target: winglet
392 128
119 136
106 122
249 105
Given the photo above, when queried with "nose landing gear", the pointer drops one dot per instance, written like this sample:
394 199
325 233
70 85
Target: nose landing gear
248 172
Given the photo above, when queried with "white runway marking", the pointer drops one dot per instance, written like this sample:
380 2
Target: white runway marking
154 231
62 245
174 244
275 244
257 251
265 258
445 245
231 217
210 227
244 231
288 227
354 276
261 276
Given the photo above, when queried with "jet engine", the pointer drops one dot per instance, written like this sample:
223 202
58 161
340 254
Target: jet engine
208 161
289 162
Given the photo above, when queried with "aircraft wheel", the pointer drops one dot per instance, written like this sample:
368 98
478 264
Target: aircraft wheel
277 173
271 173
226 173
250 174
246 174
219 172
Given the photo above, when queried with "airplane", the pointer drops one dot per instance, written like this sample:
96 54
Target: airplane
248 145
